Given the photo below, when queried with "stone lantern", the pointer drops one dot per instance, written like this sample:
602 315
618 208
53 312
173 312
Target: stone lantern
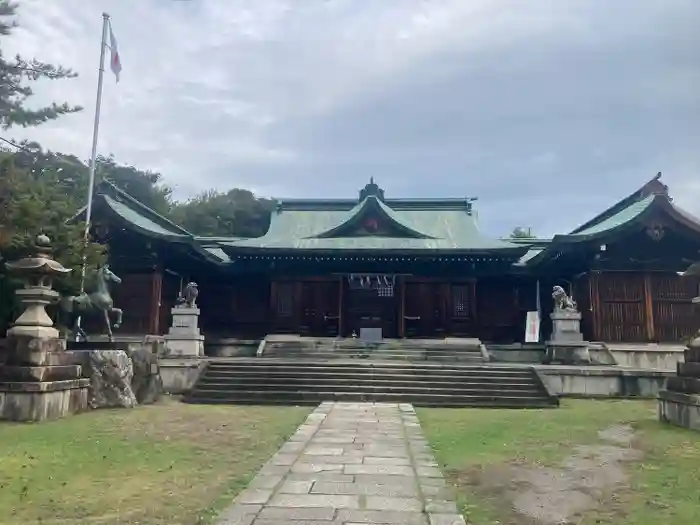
37 272
39 380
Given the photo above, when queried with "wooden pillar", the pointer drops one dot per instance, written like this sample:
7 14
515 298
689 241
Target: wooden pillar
649 309
402 307
474 310
341 298
445 303
298 302
594 301
155 303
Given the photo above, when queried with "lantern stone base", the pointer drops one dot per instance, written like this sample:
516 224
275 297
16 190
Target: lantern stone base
679 409
39 381
42 400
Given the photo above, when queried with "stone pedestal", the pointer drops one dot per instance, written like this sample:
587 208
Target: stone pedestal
679 402
39 380
183 338
566 344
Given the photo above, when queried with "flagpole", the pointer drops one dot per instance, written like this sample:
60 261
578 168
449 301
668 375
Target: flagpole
93 153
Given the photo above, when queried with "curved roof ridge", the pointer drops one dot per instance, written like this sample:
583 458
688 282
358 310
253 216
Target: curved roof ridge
145 210
653 186
361 208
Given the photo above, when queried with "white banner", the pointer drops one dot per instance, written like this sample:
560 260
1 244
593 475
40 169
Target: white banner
532 327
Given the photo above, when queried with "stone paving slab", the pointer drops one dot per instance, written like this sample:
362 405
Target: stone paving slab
349 464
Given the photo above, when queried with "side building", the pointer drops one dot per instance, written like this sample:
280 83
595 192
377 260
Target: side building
414 268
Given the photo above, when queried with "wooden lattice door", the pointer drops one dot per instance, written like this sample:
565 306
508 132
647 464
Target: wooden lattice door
320 308
621 315
675 317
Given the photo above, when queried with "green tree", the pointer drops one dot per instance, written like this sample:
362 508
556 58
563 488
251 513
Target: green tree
522 233
66 170
24 213
144 186
32 199
73 174
235 213
17 73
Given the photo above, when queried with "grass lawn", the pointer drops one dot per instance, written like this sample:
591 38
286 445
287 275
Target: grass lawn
170 463
474 447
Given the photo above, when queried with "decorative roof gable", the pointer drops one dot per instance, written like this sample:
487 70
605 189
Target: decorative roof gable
372 217
649 209
652 187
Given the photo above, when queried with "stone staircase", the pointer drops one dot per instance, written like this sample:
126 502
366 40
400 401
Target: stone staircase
309 382
463 350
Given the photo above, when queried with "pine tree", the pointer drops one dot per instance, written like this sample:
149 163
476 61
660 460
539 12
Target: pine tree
32 196
16 76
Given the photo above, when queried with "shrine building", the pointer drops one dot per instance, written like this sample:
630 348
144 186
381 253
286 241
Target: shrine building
413 268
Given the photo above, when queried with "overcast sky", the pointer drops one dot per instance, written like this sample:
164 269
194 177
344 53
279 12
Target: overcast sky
547 110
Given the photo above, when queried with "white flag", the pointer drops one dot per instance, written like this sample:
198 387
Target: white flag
115 62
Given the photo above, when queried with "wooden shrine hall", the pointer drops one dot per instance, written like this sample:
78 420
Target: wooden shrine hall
410 268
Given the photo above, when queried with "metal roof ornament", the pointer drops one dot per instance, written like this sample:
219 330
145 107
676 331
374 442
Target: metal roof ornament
371 189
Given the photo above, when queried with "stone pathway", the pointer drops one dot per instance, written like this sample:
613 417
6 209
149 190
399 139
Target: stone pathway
349 464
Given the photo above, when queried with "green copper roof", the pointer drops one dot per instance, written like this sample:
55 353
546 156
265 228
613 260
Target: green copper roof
218 253
139 220
622 217
627 215
430 225
530 254
372 206
136 213
651 187
422 225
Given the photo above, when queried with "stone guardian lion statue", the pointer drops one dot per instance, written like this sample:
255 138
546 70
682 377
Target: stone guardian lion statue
562 301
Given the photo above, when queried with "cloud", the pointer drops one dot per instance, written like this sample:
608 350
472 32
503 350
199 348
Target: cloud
530 106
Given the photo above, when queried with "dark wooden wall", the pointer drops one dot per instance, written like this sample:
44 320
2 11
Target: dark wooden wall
138 296
419 307
616 306
642 307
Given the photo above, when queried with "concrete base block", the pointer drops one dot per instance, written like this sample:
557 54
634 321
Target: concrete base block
180 375
190 346
679 409
567 352
603 381
41 401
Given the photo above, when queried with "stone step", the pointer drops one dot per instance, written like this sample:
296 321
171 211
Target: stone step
207 384
333 377
404 357
342 351
369 366
366 371
292 382
359 364
294 397
388 350
350 344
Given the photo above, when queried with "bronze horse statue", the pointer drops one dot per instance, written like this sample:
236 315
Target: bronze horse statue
98 301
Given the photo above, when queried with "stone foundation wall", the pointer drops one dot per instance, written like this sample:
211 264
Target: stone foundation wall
56 400
230 347
679 409
180 375
651 357
599 382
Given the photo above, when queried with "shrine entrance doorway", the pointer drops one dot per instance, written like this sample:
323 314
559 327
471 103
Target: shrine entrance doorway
371 301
